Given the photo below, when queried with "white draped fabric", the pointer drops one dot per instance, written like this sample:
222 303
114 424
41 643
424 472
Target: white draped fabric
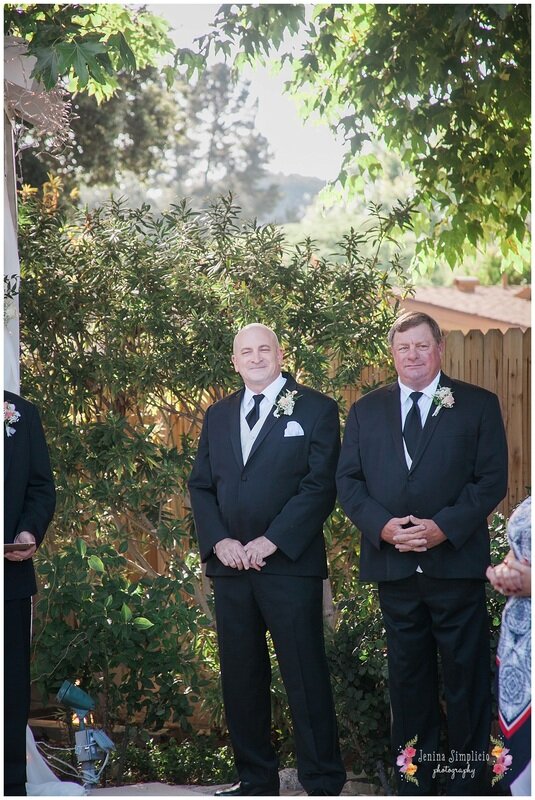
11 267
41 781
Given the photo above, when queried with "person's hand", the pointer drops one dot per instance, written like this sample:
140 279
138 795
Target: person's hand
232 553
258 550
511 577
24 537
404 539
430 531
523 569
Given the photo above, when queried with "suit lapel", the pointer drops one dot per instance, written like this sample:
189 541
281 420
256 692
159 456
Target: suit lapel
8 452
394 418
271 420
433 420
235 434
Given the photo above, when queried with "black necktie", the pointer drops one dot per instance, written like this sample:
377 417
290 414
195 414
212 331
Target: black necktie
254 413
413 425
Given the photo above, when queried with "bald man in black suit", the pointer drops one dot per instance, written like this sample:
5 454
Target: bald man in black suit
261 489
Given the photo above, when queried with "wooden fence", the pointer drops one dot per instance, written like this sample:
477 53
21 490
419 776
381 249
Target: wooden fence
500 362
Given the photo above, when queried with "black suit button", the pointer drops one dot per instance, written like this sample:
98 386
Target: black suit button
244 477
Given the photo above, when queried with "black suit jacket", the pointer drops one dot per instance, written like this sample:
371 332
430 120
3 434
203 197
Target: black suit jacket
29 493
457 478
285 491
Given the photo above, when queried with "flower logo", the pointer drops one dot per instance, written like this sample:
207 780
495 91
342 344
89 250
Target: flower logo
11 417
285 404
503 759
405 764
443 398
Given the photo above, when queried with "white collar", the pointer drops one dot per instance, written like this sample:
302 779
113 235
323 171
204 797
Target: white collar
270 392
429 391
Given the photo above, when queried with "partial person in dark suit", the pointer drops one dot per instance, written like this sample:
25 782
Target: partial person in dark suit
423 464
29 503
261 488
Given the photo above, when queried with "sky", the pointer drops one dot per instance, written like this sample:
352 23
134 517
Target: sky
297 147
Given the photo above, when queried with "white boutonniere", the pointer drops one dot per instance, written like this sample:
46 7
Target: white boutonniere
443 398
285 404
11 417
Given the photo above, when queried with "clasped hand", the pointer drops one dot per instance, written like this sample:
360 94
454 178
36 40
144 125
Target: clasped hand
419 535
511 577
234 554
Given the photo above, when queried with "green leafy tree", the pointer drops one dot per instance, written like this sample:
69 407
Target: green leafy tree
195 139
445 86
132 132
90 52
85 46
95 50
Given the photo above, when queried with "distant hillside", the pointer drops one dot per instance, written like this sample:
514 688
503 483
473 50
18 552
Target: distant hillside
296 193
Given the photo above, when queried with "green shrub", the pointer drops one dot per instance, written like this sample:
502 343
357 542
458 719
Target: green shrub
199 761
130 643
499 547
359 670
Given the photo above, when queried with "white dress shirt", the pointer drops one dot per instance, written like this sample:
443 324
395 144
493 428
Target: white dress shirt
424 405
248 435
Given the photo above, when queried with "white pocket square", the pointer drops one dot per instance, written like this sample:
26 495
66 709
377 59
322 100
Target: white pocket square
293 428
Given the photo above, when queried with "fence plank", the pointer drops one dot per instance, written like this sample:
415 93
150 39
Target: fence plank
526 412
512 374
453 360
473 357
492 364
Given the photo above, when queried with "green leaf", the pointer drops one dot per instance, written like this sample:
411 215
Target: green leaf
118 41
502 9
170 76
126 613
356 141
46 68
143 623
80 56
80 69
81 547
95 563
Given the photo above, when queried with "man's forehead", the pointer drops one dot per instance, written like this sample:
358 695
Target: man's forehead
421 332
255 336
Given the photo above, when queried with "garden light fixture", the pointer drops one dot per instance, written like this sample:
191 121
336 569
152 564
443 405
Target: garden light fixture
91 745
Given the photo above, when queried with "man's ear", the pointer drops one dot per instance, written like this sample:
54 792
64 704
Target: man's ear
234 363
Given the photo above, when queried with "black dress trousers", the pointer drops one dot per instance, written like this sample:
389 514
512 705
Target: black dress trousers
425 618
290 607
17 622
